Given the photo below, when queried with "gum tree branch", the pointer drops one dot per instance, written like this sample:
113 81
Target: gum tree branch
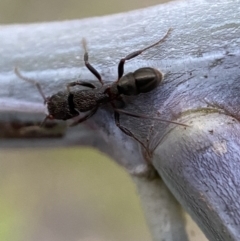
201 61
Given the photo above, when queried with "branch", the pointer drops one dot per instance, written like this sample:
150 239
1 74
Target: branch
201 62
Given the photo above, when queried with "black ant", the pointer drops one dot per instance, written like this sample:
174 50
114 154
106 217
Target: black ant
68 104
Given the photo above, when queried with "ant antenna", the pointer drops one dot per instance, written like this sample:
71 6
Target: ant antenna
32 82
148 117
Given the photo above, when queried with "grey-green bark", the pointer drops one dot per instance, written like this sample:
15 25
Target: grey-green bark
201 62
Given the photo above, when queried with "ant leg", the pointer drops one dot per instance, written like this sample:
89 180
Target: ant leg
148 117
87 116
136 53
87 64
82 83
125 130
148 152
149 135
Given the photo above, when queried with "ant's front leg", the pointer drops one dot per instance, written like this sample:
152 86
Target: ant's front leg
81 83
87 116
136 53
88 65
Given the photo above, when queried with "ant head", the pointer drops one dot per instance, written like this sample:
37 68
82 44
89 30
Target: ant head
48 116
58 106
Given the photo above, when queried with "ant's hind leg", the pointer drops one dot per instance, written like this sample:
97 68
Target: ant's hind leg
126 131
136 53
87 64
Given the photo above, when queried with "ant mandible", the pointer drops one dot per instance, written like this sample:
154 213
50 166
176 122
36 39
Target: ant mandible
68 104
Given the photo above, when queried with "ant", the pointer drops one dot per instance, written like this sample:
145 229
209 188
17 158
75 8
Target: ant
68 104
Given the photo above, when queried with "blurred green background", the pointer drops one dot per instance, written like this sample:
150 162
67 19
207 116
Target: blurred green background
67 194
19 11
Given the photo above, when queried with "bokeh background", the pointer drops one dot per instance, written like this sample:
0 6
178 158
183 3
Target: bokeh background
67 194
22 11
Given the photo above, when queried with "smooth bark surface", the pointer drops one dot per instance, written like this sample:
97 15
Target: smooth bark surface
201 62
153 190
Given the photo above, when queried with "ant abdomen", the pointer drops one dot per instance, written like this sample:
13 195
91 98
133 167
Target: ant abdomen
141 81
147 79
